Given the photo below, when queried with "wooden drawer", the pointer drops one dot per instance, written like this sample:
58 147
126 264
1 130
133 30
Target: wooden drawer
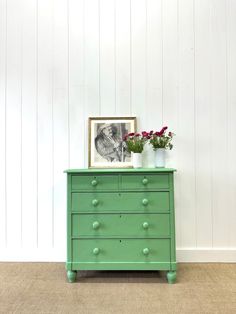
120 250
144 182
132 201
122 225
94 183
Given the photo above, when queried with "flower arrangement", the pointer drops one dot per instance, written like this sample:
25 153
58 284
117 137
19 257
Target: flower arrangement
161 139
135 142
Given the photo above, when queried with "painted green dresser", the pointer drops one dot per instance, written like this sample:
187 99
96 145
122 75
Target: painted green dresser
120 219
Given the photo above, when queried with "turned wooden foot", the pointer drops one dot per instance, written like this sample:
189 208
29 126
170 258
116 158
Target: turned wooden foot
71 275
171 276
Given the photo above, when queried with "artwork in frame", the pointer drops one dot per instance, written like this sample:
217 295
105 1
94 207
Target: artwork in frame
106 146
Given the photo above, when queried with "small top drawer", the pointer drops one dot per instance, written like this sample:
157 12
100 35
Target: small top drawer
145 182
94 183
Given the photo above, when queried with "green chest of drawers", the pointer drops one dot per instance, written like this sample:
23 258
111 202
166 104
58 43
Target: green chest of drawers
120 219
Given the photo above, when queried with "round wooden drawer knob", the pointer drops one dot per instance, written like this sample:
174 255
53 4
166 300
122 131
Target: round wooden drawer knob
96 225
146 251
145 181
145 202
95 202
96 251
145 225
94 182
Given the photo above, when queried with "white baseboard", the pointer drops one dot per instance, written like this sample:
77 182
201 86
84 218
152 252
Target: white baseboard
32 255
204 255
187 255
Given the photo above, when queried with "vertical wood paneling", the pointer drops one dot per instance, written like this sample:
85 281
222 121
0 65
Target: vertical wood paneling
60 121
203 127
219 111
29 124
3 70
154 73
170 76
168 62
186 123
92 56
13 123
138 61
107 57
92 66
77 123
170 92
154 57
122 57
45 123
231 79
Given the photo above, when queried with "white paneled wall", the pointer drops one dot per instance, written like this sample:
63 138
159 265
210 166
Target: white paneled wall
168 62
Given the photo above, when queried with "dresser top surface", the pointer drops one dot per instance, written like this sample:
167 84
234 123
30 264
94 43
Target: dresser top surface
120 170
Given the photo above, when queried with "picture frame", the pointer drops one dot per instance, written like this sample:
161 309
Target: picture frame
107 148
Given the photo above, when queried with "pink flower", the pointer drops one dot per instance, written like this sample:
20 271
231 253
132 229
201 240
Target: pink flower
151 132
163 130
137 134
131 134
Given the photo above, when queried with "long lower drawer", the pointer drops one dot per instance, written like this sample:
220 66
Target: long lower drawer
120 250
121 225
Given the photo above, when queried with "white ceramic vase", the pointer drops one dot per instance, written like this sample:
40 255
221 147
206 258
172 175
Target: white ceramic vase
148 156
137 160
160 158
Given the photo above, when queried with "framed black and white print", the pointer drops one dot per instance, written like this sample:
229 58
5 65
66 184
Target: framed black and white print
106 146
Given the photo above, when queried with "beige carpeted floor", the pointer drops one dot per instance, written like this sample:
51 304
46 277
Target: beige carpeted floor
43 288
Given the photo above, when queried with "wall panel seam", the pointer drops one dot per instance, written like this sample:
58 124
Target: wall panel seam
131 109
99 57
115 93
68 82
52 113
162 66
146 56
37 135
195 140
210 104
6 77
21 142
84 88
227 102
